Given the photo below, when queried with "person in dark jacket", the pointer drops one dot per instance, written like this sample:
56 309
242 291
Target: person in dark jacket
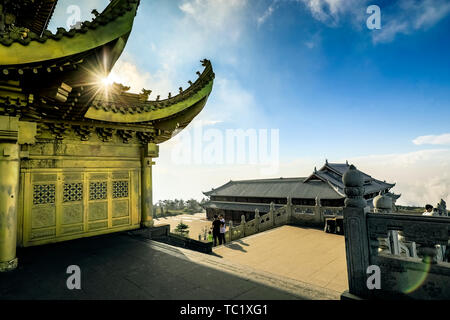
216 230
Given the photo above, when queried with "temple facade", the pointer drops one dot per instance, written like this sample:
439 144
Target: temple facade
76 156
323 187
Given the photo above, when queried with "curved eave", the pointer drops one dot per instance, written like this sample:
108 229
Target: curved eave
172 110
172 126
74 42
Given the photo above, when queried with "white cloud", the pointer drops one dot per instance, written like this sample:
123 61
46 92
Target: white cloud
412 15
443 139
127 72
214 16
422 176
266 15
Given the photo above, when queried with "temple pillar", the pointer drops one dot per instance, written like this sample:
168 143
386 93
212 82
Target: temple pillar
150 151
9 191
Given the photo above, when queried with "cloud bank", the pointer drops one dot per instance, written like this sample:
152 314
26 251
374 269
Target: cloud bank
443 139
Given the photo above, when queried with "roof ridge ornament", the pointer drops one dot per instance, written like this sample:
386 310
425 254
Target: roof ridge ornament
145 94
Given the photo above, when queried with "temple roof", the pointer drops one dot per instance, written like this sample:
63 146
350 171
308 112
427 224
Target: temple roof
276 188
240 206
333 172
120 106
114 22
324 184
58 77
34 15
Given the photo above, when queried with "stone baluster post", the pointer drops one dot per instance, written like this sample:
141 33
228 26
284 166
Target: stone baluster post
9 191
319 213
356 236
243 222
230 231
383 204
289 208
257 220
272 213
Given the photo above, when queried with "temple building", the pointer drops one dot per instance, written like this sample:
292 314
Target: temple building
76 155
323 187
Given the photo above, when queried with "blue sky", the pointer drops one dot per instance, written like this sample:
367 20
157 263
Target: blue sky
313 70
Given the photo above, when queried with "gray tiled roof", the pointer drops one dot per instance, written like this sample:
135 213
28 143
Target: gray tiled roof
324 184
277 188
240 206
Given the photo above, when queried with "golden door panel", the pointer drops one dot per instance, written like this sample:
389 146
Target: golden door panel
63 205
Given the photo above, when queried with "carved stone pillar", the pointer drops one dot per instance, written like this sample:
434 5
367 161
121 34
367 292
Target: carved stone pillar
9 191
272 213
356 237
289 209
257 220
243 222
150 151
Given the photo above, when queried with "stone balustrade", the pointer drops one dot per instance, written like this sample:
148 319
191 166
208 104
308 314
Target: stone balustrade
408 250
288 214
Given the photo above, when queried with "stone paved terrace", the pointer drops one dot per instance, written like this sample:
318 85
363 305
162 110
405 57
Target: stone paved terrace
303 254
123 266
196 223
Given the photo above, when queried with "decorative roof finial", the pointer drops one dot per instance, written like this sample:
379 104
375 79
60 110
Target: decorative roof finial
326 161
346 162
145 94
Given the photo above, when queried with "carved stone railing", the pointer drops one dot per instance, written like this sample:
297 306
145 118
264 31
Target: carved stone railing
408 251
288 214
274 218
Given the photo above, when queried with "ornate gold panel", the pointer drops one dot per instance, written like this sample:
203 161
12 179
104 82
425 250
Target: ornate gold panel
121 222
43 217
98 225
72 213
44 177
120 208
120 189
44 194
98 176
73 192
63 204
38 234
73 177
72 229
98 211
121 175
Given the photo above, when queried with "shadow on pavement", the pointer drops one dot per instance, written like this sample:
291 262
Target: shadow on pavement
121 267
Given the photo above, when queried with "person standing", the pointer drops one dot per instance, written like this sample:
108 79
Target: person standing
216 230
223 229
428 210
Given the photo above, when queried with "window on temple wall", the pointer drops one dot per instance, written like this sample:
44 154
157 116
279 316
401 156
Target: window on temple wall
73 192
120 189
43 194
98 191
